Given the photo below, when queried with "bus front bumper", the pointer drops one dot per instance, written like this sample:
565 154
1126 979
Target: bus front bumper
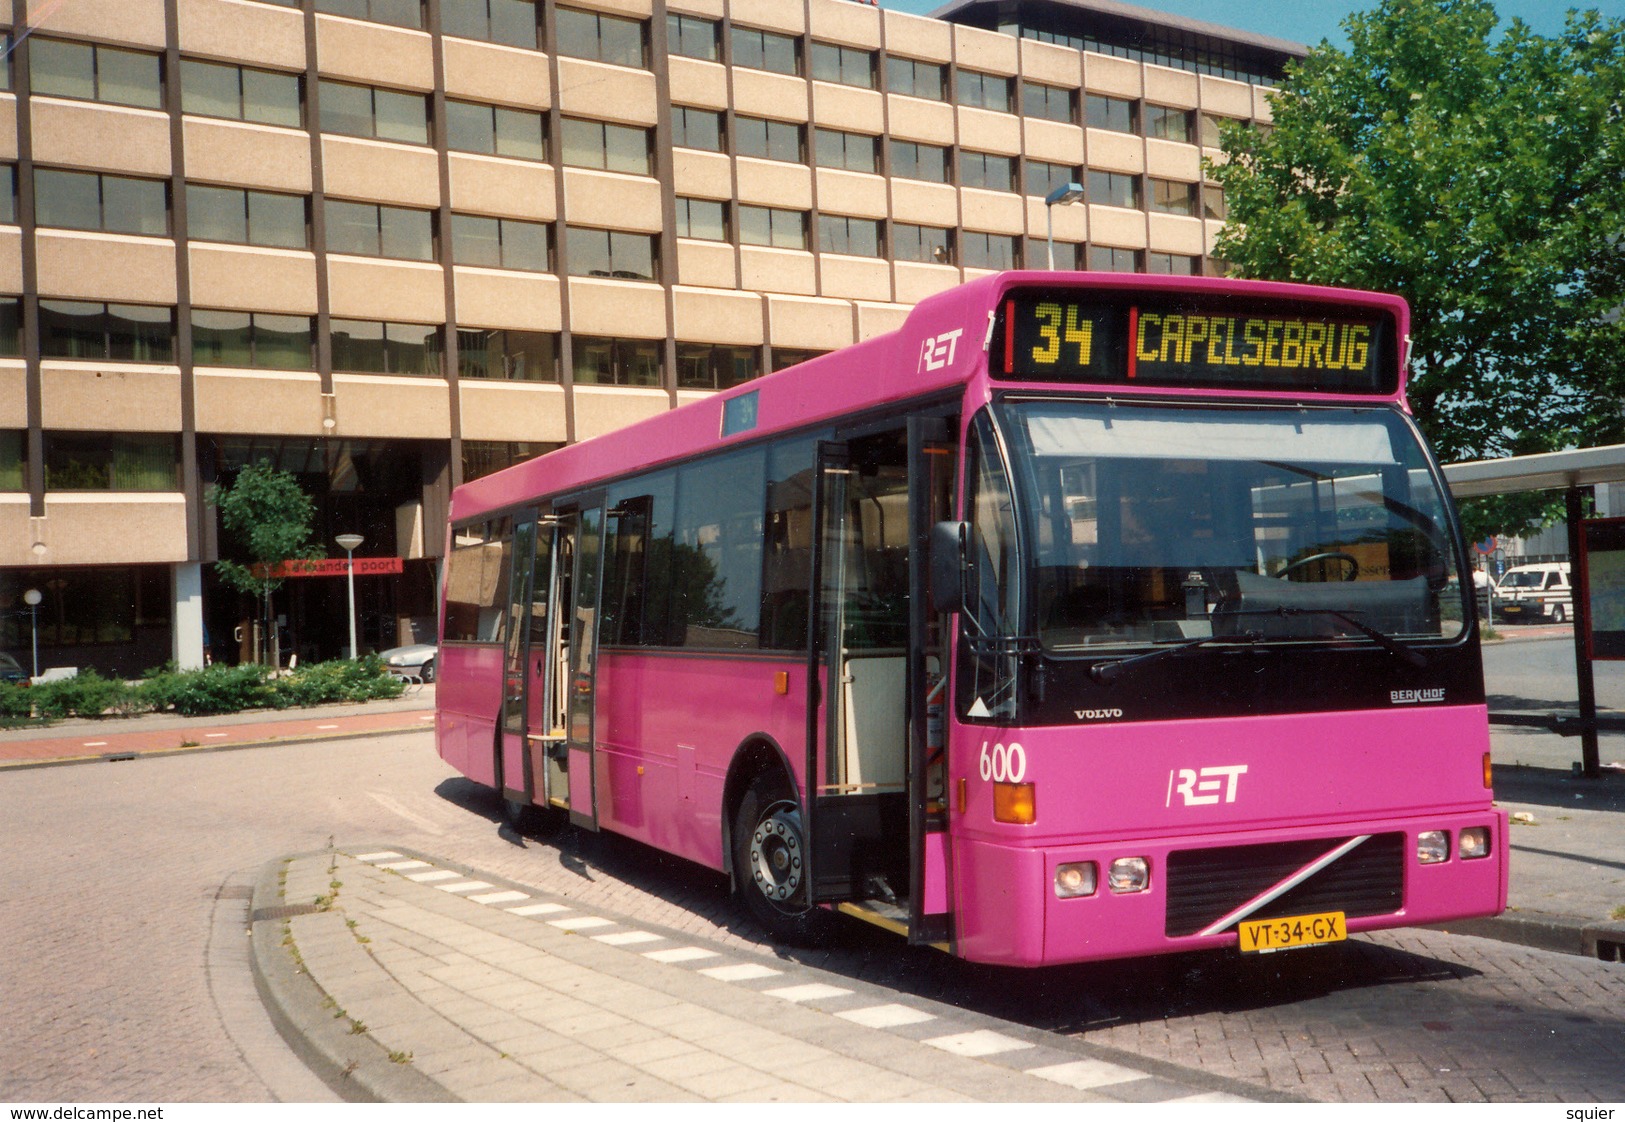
1199 889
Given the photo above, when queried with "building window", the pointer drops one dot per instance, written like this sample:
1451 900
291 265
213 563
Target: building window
118 204
96 73
11 325
1211 125
919 161
1112 113
615 362
513 356
482 457
769 140
1111 188
1169 197
983 169
1042 178
1213 205
371 230
94 331
1170 124
782 229
1106 259
495 130
702 366
254 339
602 38
1049 103
1068 255
859 237
612 253
786 357
8 194
693 37
118 461
510 22
705 219
927 244
984 91
500 243
598 144
765 50
369 347
916 79
400 13
13 460
696 128
850 66
351 110
241 217
212 89
1172 264
850 151
987 251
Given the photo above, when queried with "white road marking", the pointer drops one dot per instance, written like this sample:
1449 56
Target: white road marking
887 1016
627 938
981 1042
1087 1074
680 954
417 820
743 972
507 897
812 991
433 875
539 909
465 886
381 855
581 923
397 866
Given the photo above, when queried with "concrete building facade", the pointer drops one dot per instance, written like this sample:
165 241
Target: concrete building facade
390 245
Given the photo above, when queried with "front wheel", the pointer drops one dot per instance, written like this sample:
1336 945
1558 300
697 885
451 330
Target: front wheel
770 866
1559 615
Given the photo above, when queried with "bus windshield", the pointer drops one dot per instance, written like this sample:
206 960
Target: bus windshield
1153 524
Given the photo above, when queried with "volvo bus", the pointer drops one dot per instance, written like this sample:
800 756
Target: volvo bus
1083 616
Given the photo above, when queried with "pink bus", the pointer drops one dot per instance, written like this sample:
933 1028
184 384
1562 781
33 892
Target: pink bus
1084 616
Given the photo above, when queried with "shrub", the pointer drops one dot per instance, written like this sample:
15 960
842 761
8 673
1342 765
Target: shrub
87 694
339 680
214 689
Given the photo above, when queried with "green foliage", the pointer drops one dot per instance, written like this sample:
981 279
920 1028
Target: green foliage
1483 179
270 517
200 693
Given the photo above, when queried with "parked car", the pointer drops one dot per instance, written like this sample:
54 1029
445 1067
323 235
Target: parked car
415 661
11 671
1535 593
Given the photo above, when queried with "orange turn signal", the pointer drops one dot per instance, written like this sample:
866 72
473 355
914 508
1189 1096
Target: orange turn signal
781 682
1015 802
1487 783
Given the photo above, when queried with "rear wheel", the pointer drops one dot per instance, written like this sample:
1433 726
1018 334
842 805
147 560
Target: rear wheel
770 866
426 673
1559 613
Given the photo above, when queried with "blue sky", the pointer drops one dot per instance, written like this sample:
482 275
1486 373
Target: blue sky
1310 21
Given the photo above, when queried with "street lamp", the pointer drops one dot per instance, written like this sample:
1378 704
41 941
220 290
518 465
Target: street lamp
32 598
350 543
1062 195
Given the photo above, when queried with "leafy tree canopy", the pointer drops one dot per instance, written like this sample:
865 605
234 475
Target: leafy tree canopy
270 517
1480 177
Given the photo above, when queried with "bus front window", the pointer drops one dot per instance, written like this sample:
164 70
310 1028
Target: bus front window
994 567
1160 524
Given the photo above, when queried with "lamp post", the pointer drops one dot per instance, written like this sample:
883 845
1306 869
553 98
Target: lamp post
32 598
350 543
1062 195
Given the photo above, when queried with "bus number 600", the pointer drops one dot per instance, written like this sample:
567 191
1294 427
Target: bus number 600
1003 765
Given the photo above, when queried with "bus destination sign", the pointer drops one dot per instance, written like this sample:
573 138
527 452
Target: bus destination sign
1144 339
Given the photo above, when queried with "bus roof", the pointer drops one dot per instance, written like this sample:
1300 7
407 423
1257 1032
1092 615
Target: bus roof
942 344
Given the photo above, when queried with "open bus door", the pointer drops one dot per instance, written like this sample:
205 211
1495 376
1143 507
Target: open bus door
532 762
581 527
874 785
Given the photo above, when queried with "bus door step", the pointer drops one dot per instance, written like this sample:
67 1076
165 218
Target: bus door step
891 915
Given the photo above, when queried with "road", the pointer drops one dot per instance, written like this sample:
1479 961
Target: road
123 894
1538 674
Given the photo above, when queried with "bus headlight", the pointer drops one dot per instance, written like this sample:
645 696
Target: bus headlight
1432 846
1076 879
1129 874
1474 843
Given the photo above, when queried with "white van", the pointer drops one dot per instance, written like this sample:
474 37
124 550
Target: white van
1535 593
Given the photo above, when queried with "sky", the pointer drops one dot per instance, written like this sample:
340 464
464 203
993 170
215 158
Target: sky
1310 21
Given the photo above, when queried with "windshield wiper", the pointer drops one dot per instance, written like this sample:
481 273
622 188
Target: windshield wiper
1391 645
1111 671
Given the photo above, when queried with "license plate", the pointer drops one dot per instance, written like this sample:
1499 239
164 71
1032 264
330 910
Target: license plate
1264 935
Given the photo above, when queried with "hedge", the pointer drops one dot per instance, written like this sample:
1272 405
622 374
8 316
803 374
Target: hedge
197 693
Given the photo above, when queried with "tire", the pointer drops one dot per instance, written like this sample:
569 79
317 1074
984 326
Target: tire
426 672
1559 614
769 866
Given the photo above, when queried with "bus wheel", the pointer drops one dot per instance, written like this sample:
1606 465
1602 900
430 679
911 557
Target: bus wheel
770 866
527 818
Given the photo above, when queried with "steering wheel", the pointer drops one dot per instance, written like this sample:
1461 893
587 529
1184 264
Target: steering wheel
1347 558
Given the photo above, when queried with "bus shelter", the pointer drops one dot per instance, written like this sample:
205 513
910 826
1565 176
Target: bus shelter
1570 472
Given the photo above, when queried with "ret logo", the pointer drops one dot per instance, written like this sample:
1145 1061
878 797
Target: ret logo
1203 787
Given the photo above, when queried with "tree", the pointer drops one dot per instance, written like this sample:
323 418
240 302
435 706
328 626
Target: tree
1483 180
270 518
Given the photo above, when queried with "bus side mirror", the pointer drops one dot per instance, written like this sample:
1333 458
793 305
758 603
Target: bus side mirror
948 566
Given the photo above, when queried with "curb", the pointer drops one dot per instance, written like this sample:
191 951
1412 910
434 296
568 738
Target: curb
199 749
355 1066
